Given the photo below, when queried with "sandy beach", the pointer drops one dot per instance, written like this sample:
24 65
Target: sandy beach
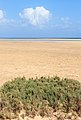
30 59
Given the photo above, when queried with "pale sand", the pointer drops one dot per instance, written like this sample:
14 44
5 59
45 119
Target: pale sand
32 59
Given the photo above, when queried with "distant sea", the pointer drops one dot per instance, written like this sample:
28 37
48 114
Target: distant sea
41 39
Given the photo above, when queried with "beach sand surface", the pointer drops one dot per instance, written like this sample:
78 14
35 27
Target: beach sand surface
31 59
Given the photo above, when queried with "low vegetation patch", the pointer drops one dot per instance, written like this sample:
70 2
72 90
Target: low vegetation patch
42 96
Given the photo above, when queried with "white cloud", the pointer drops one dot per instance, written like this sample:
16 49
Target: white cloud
65 19
65 22
2 17
1 14
37 16
5 21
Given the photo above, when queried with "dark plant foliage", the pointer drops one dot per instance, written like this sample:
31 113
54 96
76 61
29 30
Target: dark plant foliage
41 95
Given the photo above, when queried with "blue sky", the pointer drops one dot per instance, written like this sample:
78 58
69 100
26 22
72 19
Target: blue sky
40 18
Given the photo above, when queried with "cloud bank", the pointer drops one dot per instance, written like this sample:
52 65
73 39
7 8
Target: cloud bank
37 16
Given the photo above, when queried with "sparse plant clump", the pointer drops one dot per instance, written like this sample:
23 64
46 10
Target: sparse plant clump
40 96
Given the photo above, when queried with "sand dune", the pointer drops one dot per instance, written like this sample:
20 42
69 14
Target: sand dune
32 59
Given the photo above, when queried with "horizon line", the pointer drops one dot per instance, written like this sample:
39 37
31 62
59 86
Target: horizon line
40 37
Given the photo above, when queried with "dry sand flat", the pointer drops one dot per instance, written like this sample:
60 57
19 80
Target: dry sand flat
32 59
